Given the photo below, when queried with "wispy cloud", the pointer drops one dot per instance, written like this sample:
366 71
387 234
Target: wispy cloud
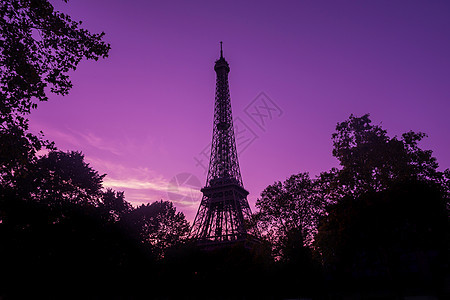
112 157
98 142
64 136
142 185
132 183
73 138
182 195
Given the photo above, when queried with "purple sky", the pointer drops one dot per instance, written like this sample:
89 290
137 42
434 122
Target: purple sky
143 114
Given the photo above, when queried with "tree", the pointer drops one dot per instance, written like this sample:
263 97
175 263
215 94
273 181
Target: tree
113 205
287 214
387 202
397 237
56 219
157 225
287 217
38 48
372 161
56 183
64 177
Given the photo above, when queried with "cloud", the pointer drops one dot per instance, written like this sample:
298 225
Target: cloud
70 138
62 136
132 183
98 143
143 185
117 159
183 195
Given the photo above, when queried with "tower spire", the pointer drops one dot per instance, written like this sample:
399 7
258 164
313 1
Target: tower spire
221 52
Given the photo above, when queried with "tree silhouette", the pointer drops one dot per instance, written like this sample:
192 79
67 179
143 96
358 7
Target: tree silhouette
38 48
57 183
385 205
56 218
157 225
383 213
396 238
372 161
287 216
113 205
288 211
52 221
65 177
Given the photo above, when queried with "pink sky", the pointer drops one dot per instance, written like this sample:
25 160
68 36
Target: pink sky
143 114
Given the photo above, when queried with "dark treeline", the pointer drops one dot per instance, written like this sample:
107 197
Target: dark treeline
342 233
63 236
376 227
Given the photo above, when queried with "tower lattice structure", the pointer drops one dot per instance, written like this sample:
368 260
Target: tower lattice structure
224 209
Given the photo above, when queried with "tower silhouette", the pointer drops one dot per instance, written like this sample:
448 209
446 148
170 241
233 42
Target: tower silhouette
224 209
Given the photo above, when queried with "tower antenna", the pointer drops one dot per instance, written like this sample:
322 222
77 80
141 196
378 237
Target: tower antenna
221 52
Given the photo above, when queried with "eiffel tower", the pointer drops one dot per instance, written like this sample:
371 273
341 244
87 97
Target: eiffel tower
224 212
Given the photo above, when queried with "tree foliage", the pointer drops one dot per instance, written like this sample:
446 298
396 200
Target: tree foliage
372 161
158 225
62 182
60 230
56 216
396 236
114 206
387 200
39 47
64 177
288 212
